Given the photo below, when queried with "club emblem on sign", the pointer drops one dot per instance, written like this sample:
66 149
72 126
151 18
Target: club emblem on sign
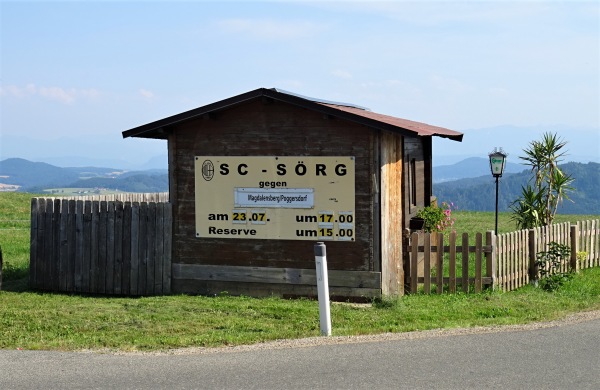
208 170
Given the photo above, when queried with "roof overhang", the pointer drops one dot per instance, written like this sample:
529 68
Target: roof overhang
159 129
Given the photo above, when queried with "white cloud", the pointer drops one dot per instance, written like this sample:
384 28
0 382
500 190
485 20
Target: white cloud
17 92
61 95
342 74
447 84
270 29
147 94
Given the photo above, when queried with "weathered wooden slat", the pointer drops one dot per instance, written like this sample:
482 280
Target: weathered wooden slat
87 246
159 250
168 248
491 259
71 242
151 248
465 263
55 267
440 265
79 241
452 264
118 242
102 246
64 246
191 286
594 252
142 249
48 245
478 262
337 278
110 248
135 259
427 263
126 250
94 269
414 263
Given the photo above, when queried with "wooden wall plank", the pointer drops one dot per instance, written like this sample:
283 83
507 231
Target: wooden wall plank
102 246
48 244
159 250
110 248
126 250
118 242
135 242
465 262
55 259
142 249
168 248
478 262
427 263
151 248
79 241
358 279
95 236
440 263
414 263
64 245
194 286
452 263
87 247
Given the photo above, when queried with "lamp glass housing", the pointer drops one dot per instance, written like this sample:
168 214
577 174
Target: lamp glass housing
497 161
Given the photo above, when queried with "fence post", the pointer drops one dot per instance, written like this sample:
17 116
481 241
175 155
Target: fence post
0 268
490 267
406 254
533 269
574 248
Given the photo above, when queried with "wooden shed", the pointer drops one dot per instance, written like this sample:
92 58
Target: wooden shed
351 177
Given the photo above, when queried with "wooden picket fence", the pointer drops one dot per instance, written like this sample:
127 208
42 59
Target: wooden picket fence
116 248
428 266
122 197
504 262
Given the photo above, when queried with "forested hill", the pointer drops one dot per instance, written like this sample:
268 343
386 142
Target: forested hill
479 194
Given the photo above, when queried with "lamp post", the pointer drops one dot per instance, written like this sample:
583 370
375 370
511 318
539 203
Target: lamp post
497 161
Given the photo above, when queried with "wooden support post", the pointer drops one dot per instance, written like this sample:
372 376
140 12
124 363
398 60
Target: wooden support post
533 269
574 266
0 268
490 269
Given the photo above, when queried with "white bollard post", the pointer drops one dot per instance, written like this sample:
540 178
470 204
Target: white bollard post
323 288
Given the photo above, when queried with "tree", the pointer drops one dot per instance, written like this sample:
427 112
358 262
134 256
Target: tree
538 202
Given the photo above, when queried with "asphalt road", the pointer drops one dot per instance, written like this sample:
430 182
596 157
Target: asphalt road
563 356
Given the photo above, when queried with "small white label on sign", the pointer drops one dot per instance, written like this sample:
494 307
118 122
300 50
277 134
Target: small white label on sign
291 198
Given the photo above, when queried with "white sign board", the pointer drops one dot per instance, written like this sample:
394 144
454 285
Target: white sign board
292 198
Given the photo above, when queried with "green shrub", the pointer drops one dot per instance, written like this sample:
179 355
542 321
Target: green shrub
437 219
549 262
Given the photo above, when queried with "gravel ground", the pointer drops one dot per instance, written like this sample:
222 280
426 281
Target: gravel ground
315 341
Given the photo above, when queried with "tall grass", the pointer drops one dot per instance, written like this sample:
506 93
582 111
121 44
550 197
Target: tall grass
32 320
14 233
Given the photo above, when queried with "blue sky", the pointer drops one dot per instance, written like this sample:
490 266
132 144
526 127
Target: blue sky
90 70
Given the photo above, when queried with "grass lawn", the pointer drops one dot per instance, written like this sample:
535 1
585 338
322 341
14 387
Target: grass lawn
33 320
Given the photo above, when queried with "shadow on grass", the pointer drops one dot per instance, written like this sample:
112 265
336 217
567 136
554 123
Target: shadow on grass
16 285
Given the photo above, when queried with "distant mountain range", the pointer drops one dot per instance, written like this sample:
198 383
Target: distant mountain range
37 176
479 193
470 167
468 183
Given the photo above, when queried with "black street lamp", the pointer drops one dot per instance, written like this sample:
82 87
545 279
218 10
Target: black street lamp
497 162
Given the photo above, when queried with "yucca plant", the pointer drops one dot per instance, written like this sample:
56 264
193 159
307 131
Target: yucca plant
538 203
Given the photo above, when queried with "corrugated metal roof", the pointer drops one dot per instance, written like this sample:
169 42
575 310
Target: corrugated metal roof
344 111
421 129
